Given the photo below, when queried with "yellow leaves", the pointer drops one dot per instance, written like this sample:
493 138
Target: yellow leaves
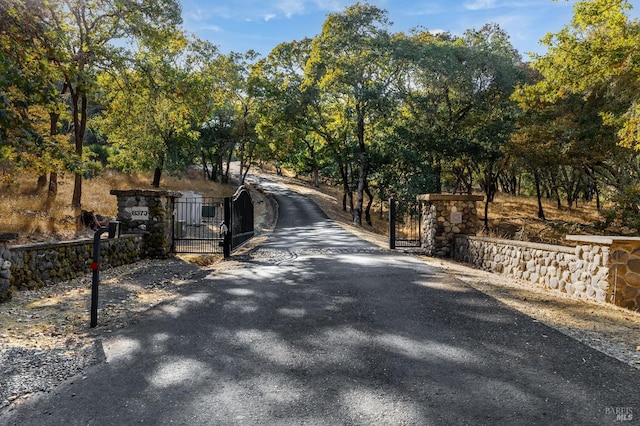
629 134
193 135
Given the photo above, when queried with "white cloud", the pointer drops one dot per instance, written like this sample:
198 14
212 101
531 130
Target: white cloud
480 4
214 28
332 5
199 14
269 17
291 7
424 10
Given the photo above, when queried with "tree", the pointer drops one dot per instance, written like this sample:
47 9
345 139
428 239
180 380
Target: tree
33 97
76 36
353 59
236 85
456 108
217 143
495 72
597 54
583 104
277 83
149 111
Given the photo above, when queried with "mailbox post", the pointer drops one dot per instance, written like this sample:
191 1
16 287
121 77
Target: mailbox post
113 231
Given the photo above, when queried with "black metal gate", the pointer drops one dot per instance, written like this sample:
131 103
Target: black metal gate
241 215
405 223
208 225
196 224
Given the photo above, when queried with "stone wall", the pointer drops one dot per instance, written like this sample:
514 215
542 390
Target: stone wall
36 265
5 270
446 216
147 218
603 269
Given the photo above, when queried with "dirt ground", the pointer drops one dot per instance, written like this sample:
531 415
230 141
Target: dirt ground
57 317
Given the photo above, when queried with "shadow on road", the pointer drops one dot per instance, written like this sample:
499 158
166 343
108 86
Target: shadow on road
318 327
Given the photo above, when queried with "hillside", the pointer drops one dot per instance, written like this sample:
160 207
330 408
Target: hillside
23 211
511 217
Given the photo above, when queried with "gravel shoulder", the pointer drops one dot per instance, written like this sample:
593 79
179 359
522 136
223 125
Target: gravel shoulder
45 337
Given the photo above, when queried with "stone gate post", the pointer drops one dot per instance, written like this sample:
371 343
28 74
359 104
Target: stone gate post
444 217
149 213
5 266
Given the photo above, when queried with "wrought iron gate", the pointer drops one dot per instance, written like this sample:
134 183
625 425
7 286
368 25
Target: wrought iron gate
197 223
212 225
405 223
240 214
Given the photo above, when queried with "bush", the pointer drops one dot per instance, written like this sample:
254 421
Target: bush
626 210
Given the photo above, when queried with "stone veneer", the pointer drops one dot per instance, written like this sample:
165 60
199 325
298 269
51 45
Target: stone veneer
36 265
446 216
147 218
603 269
156 226
5 265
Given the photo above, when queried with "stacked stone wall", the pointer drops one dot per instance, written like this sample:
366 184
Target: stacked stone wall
37 265
5 270
146 217
598 269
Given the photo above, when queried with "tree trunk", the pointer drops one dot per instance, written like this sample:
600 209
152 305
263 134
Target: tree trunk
536 178
157 172
225 175
80 125
345 185
357 216
52 192
438 170
245 172
76 199
157 175
205 168
316 176
486 214
214 172
42 183
490 187
367 214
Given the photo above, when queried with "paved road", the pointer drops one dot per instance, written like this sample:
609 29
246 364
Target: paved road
318 327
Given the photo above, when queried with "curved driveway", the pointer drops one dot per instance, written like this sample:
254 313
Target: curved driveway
318 327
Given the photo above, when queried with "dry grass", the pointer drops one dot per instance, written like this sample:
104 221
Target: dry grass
515 217
510 217
24 212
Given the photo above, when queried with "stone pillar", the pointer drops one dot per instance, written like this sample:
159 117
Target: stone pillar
5 266
611 265
149 213
446 216
625 281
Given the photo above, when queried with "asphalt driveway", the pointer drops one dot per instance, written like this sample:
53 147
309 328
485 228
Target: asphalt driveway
318 327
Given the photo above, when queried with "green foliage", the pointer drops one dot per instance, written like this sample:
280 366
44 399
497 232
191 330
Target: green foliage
384 114
626 210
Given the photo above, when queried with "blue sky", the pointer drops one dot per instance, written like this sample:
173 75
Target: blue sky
240 25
